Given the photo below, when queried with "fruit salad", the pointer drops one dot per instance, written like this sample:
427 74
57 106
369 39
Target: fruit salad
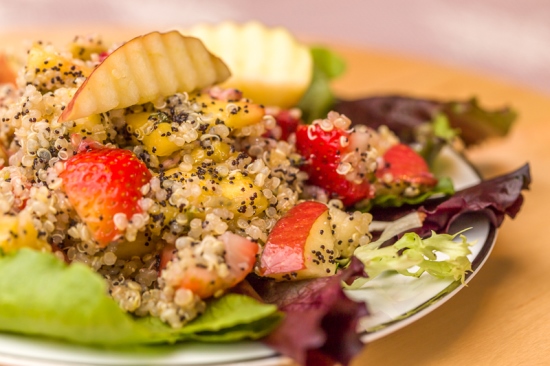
179 172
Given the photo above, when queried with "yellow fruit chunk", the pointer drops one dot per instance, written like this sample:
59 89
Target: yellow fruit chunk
221 151
91 127
18 231
51 70
143 70
145 127
139 247
242 195
236 192
235 114
84 47
268 64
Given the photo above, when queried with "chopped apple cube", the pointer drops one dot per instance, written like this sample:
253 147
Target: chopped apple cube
143 70
301 245
268 64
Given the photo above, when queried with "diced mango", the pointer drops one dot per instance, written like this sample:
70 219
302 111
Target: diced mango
235 114
51 70
145 128
86 126
243 196
18 231
84 47
236 192
221 151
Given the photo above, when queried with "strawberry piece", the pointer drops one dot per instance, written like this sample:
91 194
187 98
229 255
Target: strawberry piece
320 147
101 182
322 151
287 122
406 165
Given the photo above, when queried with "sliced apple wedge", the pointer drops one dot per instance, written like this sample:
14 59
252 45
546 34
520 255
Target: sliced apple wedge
268 64
301 245
144 69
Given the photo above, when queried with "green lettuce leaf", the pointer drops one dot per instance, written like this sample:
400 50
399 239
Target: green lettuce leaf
444 187
319 99
41 295
432 137
412 256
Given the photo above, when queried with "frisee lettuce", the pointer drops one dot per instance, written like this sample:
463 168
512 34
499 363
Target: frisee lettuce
41 295
439 255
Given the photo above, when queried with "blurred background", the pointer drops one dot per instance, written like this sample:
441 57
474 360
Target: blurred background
505 39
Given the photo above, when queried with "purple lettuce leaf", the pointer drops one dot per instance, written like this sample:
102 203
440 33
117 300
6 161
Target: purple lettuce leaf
404 115
320 326
496 198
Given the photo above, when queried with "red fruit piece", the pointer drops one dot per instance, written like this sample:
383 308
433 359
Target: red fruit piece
405 165
284 250
240 256
101 182
287 122
301 245
322 151
320 147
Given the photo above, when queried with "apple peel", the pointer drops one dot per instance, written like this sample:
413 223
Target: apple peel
145 69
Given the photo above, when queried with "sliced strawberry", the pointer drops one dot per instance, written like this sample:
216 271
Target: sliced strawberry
101 182
318 146
287 122
322 151
403 164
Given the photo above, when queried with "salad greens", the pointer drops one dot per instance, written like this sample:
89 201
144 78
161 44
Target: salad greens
321 321
432 137
412 256
496 198
444 187
41 295
404 115
319 99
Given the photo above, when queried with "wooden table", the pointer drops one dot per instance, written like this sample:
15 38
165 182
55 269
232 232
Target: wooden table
502 317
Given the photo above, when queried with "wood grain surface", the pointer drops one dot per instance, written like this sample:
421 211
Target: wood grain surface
502 317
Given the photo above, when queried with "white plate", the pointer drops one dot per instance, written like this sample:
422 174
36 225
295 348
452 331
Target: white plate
393 301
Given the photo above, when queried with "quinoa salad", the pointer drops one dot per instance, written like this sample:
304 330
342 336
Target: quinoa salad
190 189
